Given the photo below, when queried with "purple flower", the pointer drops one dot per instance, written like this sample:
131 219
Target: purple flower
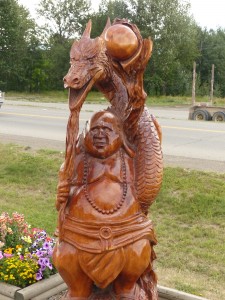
39 253
41 261
21 257
46 245
46 261
39 275
41 235
43 267
1 255
50 251
34 245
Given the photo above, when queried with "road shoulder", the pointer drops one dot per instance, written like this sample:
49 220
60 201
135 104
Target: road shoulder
31 143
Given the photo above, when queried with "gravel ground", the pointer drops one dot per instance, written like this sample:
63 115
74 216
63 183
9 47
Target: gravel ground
57 297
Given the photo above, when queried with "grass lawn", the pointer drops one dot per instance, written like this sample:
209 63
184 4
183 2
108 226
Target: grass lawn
97 97
188 216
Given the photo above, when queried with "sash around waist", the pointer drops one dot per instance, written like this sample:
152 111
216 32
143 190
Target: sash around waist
97 237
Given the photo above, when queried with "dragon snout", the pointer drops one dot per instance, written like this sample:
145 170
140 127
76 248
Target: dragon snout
70 82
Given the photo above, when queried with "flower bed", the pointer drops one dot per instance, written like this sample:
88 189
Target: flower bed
25 253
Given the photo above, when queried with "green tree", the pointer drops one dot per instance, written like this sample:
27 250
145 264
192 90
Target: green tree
65 18
211 46
36 68
174 34
16 36
108 9
57 61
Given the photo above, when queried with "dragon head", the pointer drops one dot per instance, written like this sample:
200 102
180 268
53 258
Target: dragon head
87 58
119 49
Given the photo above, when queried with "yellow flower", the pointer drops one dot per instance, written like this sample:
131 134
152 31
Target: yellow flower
27 239
8 250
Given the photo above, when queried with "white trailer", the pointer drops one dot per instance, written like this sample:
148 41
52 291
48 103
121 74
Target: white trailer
204 112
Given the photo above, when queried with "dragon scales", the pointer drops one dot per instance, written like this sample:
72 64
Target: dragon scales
112 172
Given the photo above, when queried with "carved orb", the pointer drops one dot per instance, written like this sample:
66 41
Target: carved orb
121 42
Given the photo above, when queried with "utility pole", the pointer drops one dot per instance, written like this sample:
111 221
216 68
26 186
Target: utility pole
193 84
212 83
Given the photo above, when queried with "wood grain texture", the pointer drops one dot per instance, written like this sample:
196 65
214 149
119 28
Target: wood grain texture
111 175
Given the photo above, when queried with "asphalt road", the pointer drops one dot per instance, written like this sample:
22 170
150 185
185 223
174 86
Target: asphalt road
189 144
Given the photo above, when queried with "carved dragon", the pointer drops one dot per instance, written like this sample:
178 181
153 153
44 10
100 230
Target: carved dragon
115 79
121 81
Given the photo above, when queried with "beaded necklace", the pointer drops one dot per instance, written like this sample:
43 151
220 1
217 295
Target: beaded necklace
91 201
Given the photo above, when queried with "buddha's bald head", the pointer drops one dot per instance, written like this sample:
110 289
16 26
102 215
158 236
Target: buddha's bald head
103 135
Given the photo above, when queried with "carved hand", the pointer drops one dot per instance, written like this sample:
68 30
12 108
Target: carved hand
63 190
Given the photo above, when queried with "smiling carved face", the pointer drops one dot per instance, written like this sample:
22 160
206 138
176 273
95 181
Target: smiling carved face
103 137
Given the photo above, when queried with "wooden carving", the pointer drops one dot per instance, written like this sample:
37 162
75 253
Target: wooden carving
112 172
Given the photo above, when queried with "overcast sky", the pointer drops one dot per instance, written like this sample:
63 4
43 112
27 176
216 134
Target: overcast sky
209 14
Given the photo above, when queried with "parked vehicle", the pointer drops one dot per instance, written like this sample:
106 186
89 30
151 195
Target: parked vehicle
2 96
204 112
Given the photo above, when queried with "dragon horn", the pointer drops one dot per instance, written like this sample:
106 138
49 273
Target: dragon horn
108 24
87 31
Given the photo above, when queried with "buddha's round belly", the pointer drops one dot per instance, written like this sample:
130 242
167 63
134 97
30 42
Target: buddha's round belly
104 195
